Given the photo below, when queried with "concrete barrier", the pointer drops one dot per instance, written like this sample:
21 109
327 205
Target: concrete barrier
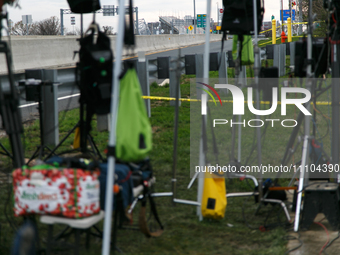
31 52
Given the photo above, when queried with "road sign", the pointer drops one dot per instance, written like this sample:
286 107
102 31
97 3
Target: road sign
73 20
201 20
162 31
218 27
286 15
190 28
220 14
26 19
108 10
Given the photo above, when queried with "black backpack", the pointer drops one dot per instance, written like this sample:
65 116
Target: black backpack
95 67
238 16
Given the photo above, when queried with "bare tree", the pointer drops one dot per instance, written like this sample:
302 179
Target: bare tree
108 30
21 29
321 15
49 26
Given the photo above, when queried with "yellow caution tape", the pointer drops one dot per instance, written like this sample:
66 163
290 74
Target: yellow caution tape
265 31
224 101
265 43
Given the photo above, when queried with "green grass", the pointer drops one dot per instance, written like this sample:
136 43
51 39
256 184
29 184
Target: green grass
184 234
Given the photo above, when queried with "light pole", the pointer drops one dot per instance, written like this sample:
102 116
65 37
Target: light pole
281 15
218 13
194 18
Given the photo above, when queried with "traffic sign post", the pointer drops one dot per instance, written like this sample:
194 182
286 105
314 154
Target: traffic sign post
73 22
26 19
220 16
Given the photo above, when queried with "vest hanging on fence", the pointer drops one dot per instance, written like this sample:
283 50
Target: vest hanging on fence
134 135
214 200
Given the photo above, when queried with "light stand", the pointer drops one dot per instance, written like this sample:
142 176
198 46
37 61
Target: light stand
112 139
256 72
305 148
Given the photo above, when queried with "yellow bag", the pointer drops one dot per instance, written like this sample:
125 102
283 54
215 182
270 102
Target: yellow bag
214 200
76 141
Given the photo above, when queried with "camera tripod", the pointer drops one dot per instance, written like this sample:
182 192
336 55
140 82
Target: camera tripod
83 149
84 126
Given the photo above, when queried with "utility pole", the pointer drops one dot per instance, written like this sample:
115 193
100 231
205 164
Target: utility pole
218 13
194 18
300 17
281 15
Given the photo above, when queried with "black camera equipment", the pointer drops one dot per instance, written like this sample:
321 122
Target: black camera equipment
95 71
84 6
238 16
9 102
94 79
95 68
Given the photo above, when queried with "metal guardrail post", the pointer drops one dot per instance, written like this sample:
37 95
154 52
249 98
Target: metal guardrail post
143 76
173 80
292 53
51 108
280 58
199 72
283 59
223 70
50 103
103 122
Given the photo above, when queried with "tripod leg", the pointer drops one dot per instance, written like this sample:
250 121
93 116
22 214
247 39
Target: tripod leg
61 142
7 153
35 154
94 147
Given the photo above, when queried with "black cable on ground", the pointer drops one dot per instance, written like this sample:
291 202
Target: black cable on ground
330 243
290 237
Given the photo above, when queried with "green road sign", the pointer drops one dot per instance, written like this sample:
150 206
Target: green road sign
201 20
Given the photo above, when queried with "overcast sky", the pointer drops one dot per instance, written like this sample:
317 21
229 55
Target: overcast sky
148 9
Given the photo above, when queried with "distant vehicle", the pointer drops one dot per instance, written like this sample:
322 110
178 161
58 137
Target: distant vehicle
266 25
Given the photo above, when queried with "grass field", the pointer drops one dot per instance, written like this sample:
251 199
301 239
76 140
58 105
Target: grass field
237 233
